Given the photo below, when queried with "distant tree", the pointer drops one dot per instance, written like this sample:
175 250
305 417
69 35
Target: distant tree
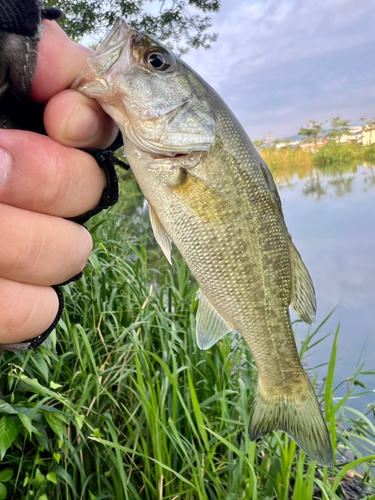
282 142
312 132
306 133
339 128
317 129
368 126
174 23
286 142
260 144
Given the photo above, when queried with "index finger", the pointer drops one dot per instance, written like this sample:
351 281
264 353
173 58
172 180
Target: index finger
59 62
81 121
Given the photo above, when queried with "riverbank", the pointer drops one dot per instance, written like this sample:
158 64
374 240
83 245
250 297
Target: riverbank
286 162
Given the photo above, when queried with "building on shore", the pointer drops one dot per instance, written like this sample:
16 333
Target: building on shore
363 134
368 136
313 146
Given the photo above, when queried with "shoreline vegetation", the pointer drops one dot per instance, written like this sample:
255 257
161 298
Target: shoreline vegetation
319 147
286 162
121 404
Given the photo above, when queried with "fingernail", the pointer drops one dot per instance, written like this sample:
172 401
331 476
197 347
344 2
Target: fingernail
5 165
83 124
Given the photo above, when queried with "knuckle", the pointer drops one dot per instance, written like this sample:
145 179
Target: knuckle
69 189
14 325
85 246
58 182
29 254
25 315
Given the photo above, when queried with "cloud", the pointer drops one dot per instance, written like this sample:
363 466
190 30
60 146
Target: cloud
280 63
335 84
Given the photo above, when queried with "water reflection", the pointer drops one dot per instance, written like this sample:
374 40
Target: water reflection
337 181
369 180
316 187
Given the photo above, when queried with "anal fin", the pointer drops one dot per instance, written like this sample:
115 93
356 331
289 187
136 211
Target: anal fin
211 327
160 234
303 300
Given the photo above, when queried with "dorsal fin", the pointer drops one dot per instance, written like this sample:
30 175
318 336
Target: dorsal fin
160 234
303 300
211 327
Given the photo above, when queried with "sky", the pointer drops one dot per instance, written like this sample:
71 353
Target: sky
279 63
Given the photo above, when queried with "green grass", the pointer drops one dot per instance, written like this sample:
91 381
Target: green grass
121 404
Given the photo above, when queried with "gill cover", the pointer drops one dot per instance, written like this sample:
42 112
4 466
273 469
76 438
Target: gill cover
149 92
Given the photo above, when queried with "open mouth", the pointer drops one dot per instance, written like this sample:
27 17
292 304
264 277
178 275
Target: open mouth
170 156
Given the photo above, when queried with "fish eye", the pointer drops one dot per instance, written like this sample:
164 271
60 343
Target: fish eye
158 60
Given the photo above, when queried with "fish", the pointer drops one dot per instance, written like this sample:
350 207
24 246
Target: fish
210 193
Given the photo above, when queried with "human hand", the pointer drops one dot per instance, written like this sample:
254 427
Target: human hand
44 180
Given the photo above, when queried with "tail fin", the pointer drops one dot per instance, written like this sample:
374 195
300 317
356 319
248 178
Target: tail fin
299 416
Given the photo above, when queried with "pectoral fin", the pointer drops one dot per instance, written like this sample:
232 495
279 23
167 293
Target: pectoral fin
211 327
303 300
203 200
160 234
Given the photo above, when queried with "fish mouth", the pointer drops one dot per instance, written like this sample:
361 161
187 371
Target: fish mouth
112 47
171 155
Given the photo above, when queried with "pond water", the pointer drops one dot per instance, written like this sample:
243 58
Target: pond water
330 213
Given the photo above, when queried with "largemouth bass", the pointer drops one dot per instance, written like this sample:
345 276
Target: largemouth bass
210 192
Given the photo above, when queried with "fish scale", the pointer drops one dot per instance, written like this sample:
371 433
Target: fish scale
210 192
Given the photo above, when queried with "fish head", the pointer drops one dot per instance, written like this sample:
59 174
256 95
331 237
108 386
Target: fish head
155 98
